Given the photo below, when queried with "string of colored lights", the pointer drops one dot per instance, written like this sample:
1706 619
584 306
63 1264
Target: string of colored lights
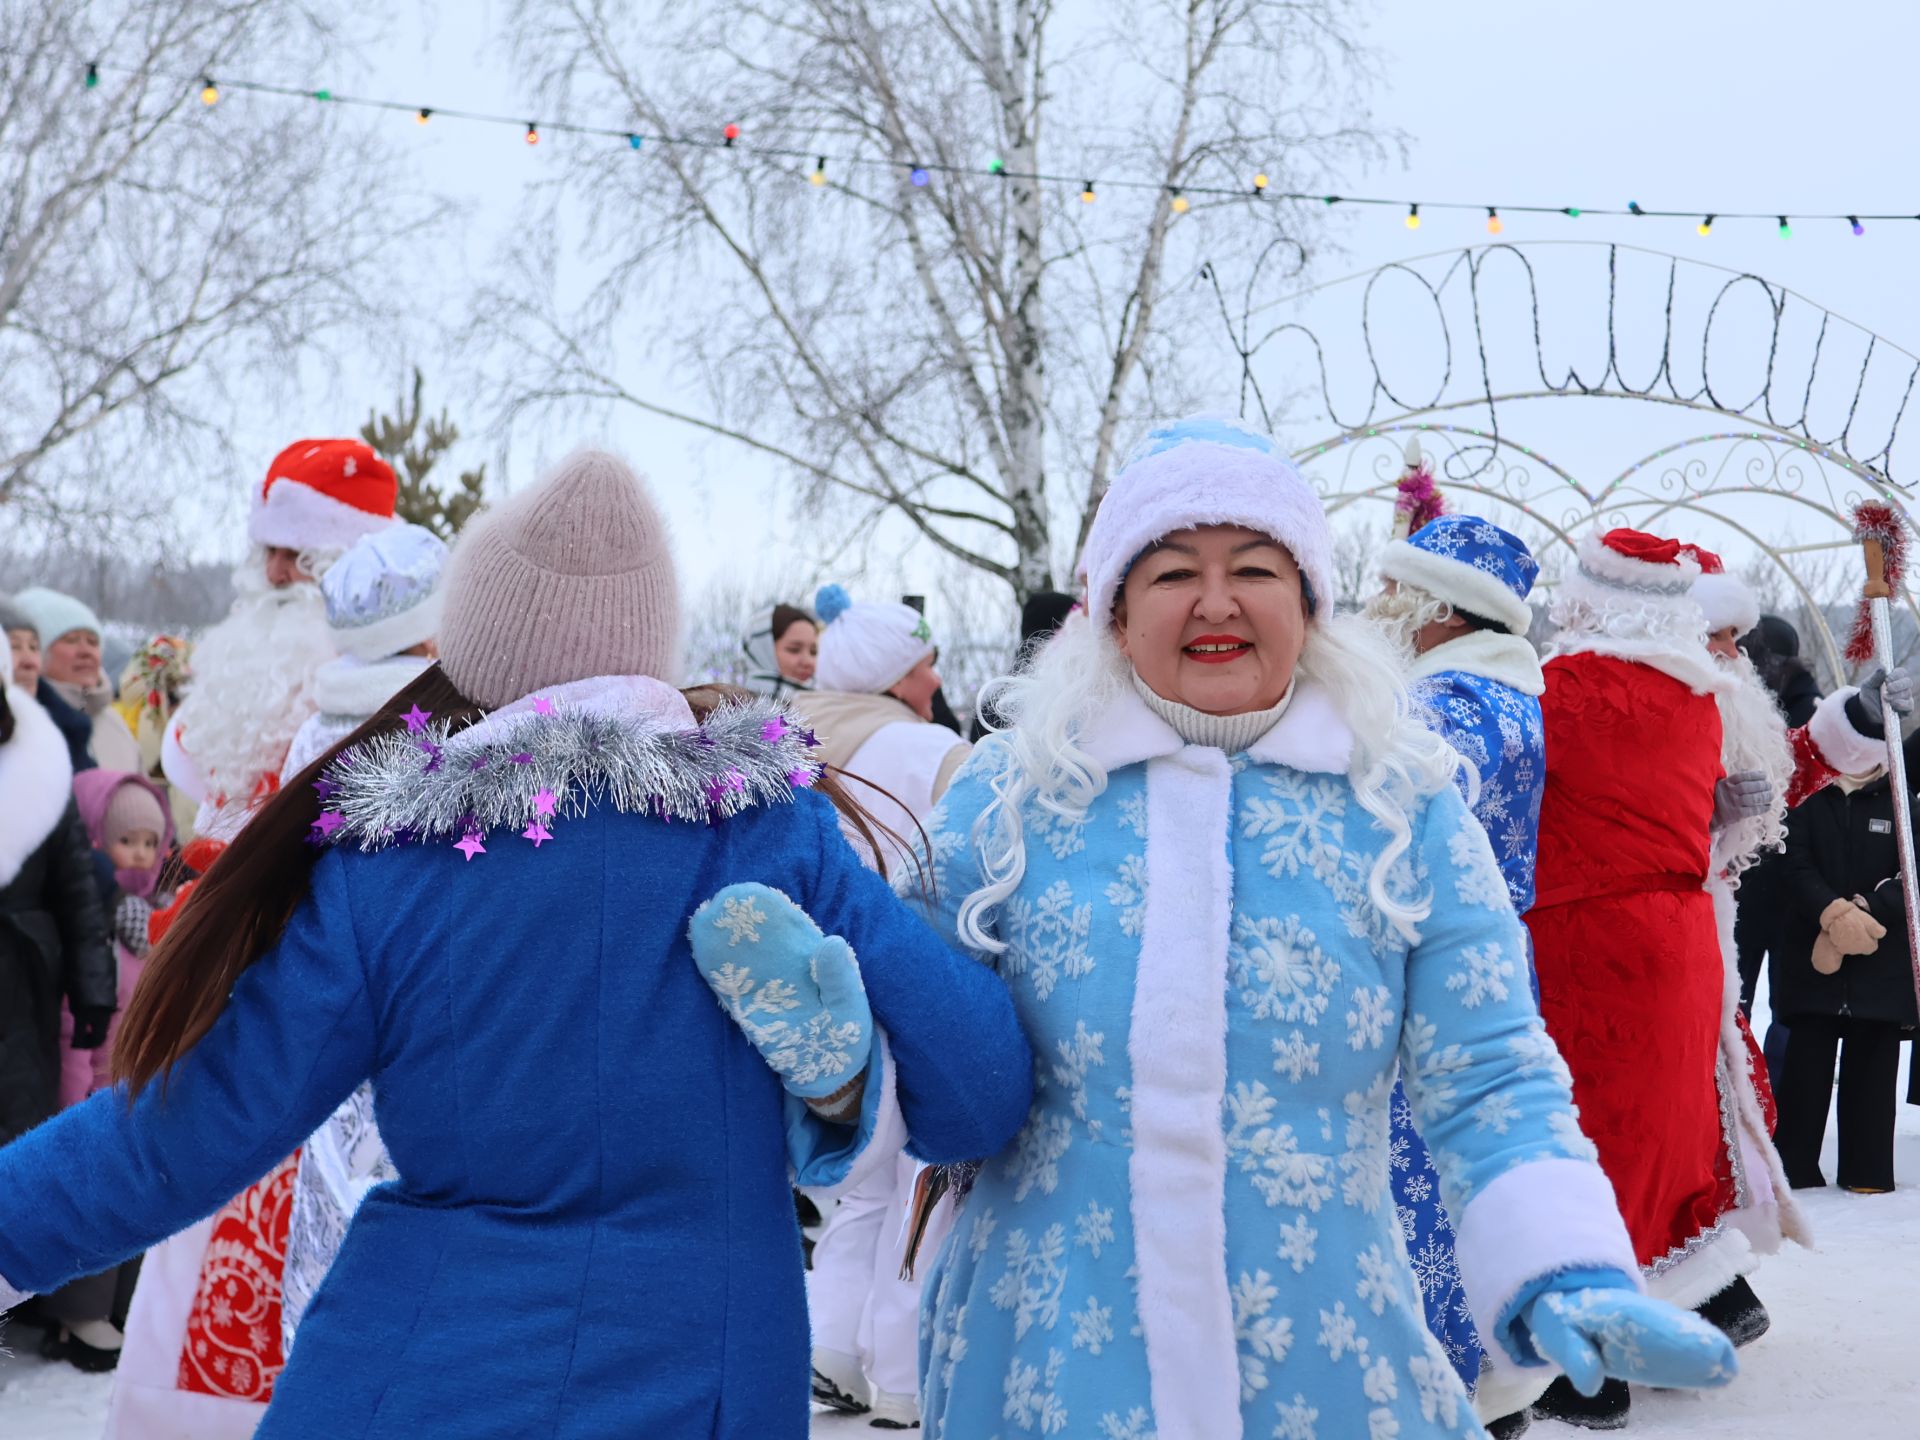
921 173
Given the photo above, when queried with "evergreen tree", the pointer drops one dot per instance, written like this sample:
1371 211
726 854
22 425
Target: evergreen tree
412 449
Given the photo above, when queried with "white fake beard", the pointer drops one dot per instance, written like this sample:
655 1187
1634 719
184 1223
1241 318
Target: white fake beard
253 681
1753 736
1401 614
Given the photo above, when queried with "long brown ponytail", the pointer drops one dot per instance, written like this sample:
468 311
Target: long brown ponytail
239 908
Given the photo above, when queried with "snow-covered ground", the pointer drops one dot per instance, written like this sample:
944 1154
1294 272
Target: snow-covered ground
1839 1361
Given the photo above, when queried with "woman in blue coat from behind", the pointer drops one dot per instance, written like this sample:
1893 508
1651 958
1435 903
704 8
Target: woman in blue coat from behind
592 1233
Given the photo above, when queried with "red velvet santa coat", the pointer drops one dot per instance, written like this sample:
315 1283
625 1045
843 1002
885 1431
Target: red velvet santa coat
1625 942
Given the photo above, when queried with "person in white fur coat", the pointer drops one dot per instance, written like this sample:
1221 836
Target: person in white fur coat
872 709
1226 874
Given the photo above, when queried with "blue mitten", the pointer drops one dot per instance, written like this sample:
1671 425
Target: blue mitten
793 990
1593 1331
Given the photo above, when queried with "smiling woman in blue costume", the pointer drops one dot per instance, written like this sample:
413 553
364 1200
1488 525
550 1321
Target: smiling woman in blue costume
1233 889
592 1232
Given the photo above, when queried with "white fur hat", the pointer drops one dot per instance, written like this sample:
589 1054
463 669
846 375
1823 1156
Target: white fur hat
867 648
383 595
1205 470
1630 569
1726 600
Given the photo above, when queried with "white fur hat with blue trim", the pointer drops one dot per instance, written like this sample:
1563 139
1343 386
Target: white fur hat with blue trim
1206 470
383 594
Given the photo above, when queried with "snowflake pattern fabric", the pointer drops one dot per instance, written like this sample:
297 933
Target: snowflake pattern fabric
1499 730
1031 1321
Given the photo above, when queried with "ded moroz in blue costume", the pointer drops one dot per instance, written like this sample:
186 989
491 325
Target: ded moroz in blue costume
1478 684
591 1232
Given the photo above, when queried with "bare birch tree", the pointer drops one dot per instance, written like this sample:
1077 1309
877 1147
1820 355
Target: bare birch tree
147 237
973 351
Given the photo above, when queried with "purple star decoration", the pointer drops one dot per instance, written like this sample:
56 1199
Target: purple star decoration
543 804
800 779
542 705
774 731
329 821
470 846
325 789
538 834
416 719
722 786
523 758
433 753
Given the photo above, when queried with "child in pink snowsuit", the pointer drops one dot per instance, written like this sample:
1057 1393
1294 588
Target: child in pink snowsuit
128 820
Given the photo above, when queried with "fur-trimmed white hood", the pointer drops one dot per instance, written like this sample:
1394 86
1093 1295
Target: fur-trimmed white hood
1311 736
357 688
36 782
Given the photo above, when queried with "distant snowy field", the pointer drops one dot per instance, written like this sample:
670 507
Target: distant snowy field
1839 1362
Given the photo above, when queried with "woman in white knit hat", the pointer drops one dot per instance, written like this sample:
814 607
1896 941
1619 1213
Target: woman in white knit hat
1234 890
872 708
512 905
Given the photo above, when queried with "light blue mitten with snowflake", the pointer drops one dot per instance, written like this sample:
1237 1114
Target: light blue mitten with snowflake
1594 1330
794 991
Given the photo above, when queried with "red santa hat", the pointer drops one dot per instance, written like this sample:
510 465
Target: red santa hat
1725 599
1630 569
323 495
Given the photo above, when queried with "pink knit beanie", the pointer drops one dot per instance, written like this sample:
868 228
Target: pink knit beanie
569 579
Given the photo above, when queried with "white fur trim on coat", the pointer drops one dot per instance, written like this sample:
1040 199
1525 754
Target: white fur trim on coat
1537 1219
1695 669
301 518
1507 659
36 783
1177 1047
1463 586
1766 1212
1840 745
1720 1257
1727 600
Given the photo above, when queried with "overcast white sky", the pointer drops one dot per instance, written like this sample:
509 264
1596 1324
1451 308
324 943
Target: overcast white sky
1758 105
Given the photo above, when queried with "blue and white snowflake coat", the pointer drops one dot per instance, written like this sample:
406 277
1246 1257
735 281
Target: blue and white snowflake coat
1493 720
1194 1234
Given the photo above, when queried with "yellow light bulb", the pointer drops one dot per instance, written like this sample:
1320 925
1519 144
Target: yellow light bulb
818 177
210 94
1180 204
1260 182
1494 225
1703 228
1413 219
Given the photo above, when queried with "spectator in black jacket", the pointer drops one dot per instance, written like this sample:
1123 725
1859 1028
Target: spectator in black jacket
1840 979
1774 648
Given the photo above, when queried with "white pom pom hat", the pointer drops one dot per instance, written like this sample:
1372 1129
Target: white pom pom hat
1725 599
1205 470
867 648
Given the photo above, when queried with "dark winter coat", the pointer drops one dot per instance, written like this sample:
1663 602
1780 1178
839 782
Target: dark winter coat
54 939
73 723
1840 845
1798 696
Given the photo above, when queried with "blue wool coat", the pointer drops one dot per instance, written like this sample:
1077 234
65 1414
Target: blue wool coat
1495 724
1194 1236
592 1234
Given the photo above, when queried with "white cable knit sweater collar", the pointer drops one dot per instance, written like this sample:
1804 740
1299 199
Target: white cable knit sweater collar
1231 733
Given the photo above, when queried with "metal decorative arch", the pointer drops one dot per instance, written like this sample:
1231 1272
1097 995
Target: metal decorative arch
1469 349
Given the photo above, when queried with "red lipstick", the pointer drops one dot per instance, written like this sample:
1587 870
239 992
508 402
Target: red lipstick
1217 649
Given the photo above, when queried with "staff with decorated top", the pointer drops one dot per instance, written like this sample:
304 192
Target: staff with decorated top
1226 874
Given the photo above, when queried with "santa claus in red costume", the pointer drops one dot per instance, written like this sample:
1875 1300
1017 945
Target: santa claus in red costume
253 672
1625 941
203 1343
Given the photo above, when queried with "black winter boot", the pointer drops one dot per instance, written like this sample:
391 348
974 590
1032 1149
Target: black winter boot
1605 1411
1737 1312
1509 1427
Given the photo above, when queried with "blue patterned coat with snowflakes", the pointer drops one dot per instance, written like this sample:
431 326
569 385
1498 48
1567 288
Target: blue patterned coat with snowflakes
1194 1236
1482 692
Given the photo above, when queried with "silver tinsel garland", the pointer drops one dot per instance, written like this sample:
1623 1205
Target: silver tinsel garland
430 785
